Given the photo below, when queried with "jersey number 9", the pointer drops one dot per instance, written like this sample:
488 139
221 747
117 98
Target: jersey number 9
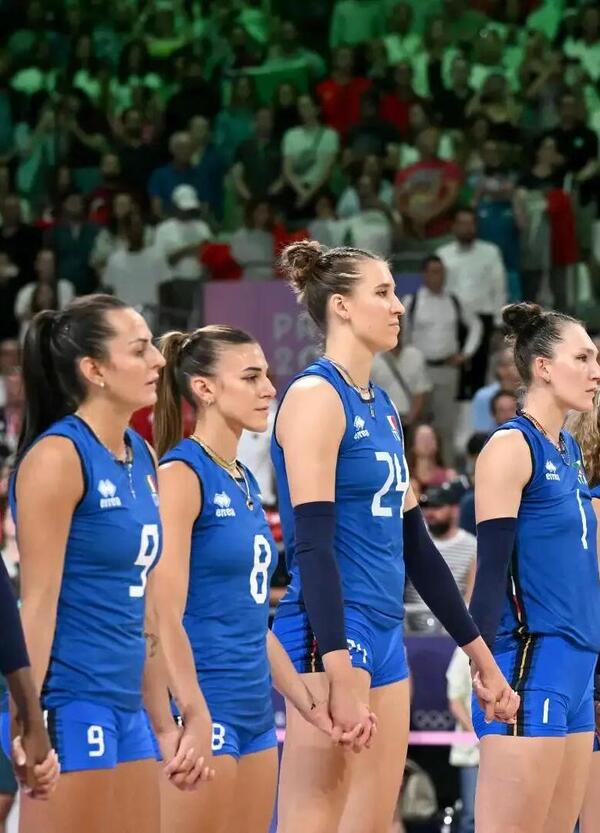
146 556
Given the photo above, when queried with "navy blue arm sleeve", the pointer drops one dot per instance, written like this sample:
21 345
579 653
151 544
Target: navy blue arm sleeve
321 583
433 580
13 653
495 543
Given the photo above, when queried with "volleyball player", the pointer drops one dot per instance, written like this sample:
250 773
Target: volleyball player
537 591
585 427
351 523
85 502
211 590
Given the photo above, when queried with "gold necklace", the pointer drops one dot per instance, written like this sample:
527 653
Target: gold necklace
232 467
561 446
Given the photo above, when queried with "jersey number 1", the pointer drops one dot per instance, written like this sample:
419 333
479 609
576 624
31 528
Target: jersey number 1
393 480
146 557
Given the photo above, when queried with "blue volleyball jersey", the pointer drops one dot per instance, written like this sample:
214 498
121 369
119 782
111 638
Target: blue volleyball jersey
595 491
370 485
553 584
114 542
232 558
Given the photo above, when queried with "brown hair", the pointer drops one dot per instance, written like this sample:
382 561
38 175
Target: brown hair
316 273
532 332
187 355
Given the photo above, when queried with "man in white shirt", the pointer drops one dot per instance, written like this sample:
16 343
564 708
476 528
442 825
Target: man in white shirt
448 335
402 373
476 275
179 239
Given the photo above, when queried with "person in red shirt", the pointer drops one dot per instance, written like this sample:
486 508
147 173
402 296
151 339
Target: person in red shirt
427 191
395 106
340 94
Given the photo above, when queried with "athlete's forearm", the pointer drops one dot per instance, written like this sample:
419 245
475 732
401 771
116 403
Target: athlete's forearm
13 653
39 625
286 679
25 697
181 668
155 686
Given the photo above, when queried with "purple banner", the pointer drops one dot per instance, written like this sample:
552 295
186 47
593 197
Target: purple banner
270 312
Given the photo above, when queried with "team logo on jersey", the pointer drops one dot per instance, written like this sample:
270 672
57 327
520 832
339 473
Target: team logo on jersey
551 472
360 432
108 492
395 427
223 503
152 486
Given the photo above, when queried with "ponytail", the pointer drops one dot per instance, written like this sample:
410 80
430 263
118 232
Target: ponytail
44 398
187 355
168 417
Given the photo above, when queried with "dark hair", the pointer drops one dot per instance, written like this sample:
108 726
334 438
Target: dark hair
532 333
316 273
36 305
54 343
430 259
476 442
187 355
498 395
464 209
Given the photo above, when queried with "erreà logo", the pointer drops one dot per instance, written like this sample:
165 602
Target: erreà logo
223 503
551 472
359 428
108 495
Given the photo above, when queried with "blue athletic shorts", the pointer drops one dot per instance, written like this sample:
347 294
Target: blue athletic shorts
89 736
380 651
555 680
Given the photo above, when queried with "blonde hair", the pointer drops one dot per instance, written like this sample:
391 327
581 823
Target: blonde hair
586 430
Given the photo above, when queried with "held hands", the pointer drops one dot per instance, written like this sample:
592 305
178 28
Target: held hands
495 696
187 752
35 762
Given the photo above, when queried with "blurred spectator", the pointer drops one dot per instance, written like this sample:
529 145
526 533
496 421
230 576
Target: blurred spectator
457 547
86 73
541 76
138 158
326 228
135 270
179 239
349 201
254 451
48 291
466 515
420 119
448 335
464 756
10 357
427 191
163 39
371 136
253 245
340 94
10 106
257 169
309 152
85 130
355 21
586 47
205 176
425 461
10 283
72 240
401 42
134 73
11 413
235 122
394 107
115 235
289 51
476 275
576 144
35 147
503 406
402 373
477 132
507 378
450 105
196 96
462 24
376 226
285 112
101 198
495 101
19 241
530 205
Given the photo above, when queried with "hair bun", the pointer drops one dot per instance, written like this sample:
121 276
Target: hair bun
299 260
522 318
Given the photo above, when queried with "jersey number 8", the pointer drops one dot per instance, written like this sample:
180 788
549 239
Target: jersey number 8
259 577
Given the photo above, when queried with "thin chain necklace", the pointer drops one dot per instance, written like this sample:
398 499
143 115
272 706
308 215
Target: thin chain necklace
561 446
366 392
232 467
127 462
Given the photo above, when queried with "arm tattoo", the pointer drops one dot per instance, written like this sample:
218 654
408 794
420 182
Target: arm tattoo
151 643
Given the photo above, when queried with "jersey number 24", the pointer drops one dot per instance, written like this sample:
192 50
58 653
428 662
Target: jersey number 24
394 481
